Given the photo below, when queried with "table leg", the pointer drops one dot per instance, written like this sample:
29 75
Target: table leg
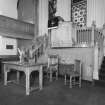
65 79
27 82
18 75
50 75
5 75
41 78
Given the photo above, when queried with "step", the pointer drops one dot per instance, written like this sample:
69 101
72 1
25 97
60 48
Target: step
102 78
102 71
103 66
99 83
101 75
103 61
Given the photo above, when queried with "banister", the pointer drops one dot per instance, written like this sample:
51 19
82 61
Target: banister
88 35
83 35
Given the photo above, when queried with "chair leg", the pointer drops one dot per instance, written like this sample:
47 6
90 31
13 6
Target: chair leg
70 82
50 76
74 81
80 82
18 76
47 75
57 75
65 79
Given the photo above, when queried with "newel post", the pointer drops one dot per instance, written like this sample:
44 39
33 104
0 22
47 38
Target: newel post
93 33
104 33
96 63
103 30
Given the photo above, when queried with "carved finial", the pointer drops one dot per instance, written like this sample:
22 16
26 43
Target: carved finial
104 26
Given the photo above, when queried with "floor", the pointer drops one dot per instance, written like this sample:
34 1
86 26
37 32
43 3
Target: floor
53 93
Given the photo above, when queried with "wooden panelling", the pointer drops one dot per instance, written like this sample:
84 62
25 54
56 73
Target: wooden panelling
68 55
15 28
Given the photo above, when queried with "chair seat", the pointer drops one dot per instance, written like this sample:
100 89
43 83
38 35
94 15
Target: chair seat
73 74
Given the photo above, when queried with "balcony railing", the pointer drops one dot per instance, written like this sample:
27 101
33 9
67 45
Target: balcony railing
88 36
83 35
69 35
11 25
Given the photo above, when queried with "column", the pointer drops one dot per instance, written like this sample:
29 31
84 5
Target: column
43 17
36 18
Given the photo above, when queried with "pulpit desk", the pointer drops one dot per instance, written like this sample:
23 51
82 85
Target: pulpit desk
27 69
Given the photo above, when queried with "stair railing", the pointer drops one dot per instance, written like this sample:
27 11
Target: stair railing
83 35
88 35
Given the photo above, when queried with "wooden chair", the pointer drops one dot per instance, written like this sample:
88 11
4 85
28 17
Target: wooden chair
52 66
74 75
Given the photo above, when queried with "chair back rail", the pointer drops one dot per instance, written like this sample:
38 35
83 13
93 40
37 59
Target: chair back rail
52 66
52 60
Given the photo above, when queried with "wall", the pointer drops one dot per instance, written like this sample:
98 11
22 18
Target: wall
62 36
8 46
8 8
63 9
95 12
84 54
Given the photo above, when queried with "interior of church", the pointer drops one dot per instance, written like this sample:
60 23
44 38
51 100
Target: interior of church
53 48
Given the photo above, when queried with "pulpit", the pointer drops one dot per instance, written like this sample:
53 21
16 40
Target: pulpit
61 36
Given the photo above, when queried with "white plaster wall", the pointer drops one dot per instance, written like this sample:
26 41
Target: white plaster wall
4 41
64 9
96 12
8 8
84 54
62 36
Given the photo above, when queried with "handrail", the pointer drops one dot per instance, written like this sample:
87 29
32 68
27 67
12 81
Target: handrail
88 35
93 37
83 35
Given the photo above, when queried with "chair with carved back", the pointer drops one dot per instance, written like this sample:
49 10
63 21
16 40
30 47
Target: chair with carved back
52 67
74 75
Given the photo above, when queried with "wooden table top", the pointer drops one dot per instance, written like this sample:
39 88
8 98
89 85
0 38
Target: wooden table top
24 63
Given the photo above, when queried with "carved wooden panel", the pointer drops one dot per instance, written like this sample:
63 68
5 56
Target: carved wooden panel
79 12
